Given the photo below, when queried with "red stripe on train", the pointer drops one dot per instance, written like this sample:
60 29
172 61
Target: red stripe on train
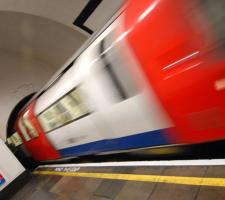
40 148
172 51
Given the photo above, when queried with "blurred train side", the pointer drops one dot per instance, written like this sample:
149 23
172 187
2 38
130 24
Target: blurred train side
154 77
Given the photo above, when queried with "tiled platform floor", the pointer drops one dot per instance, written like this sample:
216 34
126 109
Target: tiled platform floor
44 187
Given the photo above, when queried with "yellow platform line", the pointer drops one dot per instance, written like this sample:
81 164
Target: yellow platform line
215 182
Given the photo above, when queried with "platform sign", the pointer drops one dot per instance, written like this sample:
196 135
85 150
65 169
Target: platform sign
2 180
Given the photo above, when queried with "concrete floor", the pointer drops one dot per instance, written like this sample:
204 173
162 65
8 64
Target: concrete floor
45 187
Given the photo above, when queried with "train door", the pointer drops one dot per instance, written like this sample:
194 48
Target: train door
120 103
95 86
135 116
34 138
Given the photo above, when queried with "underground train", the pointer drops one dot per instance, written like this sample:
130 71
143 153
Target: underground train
154 76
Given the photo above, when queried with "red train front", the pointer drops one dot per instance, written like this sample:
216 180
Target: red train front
179 45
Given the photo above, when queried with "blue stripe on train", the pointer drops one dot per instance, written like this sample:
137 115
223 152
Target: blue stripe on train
146 139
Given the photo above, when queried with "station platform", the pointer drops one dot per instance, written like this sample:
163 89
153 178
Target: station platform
183 180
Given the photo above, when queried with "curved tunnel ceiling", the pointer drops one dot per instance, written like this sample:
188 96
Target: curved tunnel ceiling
66 12
37 37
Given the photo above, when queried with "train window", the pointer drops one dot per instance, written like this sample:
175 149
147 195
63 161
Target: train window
214 26
216 16
64 114
23 130
44 120
29 125
116 70
64 111
71 106
14 139
50 119
75 95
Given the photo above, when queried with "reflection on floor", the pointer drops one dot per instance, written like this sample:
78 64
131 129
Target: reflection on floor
44 187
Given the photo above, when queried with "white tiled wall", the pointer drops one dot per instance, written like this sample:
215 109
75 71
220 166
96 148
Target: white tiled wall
10 167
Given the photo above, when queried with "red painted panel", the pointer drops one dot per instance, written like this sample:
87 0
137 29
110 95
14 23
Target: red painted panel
39 147
172 47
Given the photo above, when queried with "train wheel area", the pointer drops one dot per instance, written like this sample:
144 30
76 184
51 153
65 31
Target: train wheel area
180 179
